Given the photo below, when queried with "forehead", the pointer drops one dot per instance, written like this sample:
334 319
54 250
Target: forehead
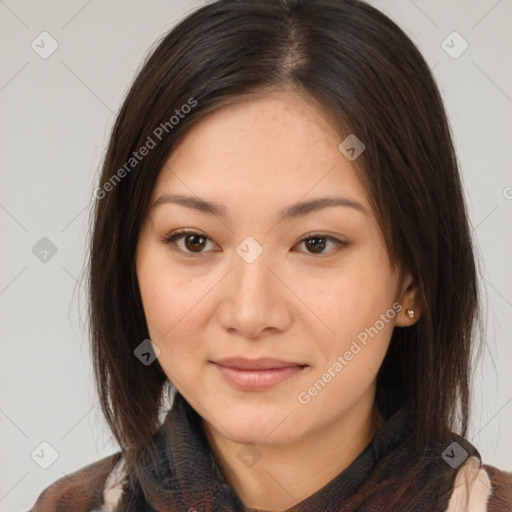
272 147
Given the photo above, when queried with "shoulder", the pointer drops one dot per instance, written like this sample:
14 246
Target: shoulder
501 489
481 488
95 487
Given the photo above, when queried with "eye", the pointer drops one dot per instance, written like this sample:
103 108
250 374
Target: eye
316 243
193 243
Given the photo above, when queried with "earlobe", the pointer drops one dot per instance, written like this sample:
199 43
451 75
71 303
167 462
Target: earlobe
408 316
410 301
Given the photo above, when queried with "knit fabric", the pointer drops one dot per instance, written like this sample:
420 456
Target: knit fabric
177 473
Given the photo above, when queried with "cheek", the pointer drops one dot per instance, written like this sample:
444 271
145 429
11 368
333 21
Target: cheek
172 301
175 316
351 297
362 320
355 307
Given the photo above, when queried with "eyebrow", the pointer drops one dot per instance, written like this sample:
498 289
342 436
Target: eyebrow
289 213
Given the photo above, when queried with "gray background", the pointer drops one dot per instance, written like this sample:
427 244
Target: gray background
56 116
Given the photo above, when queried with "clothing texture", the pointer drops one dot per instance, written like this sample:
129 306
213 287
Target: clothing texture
177 473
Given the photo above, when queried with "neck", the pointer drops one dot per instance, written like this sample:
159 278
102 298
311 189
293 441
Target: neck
286 474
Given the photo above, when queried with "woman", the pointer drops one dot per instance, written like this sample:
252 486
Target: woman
281 243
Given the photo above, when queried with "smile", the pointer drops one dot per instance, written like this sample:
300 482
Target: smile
257 375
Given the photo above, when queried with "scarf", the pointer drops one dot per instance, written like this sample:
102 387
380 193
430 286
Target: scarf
178 473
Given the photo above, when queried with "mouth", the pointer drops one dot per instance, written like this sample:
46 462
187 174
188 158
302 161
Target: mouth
257 374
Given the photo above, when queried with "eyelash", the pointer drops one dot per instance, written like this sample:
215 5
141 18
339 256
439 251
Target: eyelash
179 235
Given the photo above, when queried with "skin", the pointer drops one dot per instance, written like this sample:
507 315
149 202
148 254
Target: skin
256 157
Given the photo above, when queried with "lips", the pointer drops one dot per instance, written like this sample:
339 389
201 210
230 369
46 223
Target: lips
257 374
265 363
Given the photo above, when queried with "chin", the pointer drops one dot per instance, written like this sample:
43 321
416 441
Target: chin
254 434
262 424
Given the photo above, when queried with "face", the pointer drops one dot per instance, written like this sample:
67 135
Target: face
272 325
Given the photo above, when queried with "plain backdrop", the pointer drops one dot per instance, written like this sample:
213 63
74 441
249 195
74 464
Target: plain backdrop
56 115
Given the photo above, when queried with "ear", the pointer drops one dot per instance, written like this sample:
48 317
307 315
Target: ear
411 302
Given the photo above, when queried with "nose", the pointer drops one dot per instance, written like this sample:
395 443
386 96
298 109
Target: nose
255 302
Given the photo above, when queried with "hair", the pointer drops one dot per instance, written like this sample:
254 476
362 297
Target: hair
369 79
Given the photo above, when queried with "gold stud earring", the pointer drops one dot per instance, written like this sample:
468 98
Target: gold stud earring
410 313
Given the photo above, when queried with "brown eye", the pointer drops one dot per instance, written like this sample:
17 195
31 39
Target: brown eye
194 242
189 242
316 244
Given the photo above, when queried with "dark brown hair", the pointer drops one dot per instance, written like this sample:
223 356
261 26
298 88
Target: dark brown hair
370 78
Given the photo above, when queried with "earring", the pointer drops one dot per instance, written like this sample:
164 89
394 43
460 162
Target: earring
410 313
